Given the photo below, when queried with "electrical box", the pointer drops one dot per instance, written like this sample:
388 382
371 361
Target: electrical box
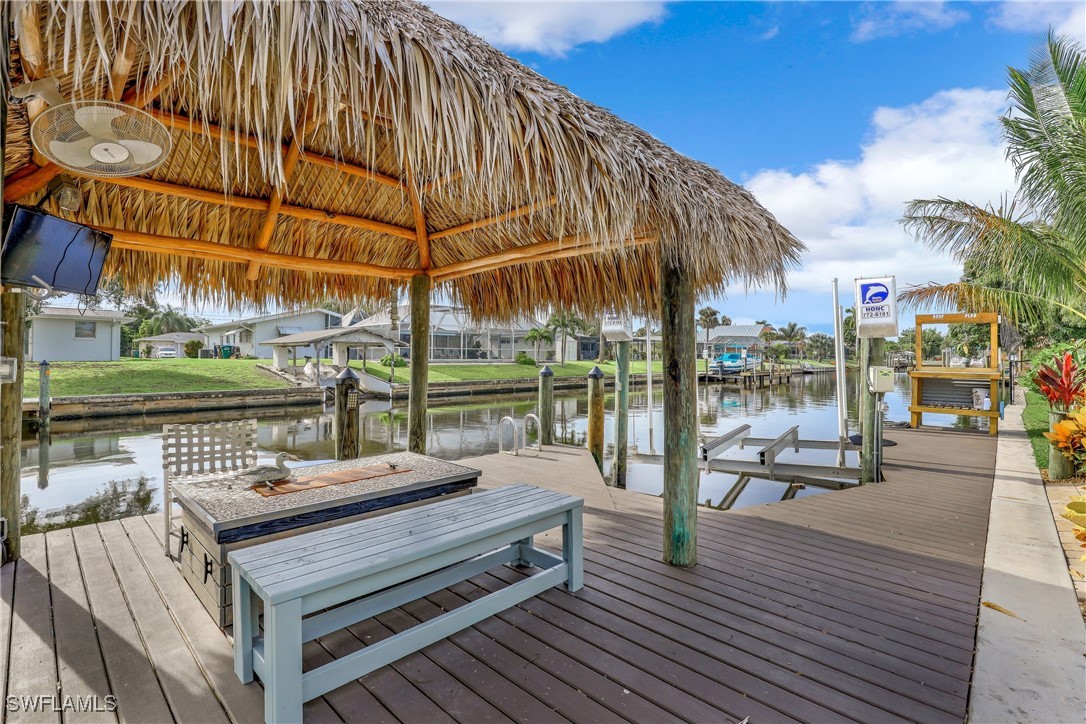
9 369
880 379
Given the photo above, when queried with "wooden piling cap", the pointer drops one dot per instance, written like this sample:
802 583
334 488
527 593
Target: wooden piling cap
595 373
546 371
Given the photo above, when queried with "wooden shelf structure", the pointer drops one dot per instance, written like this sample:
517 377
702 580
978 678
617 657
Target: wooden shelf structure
949 390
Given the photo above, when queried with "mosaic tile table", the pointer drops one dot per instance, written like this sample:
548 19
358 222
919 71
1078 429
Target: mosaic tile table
224 514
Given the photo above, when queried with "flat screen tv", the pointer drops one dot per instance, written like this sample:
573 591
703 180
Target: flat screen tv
66 255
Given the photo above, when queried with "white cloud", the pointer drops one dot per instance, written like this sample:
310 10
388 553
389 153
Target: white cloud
771 33
551 28
847 212
880 20
1064 18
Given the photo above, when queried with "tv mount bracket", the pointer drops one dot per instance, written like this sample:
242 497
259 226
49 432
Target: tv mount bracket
44 293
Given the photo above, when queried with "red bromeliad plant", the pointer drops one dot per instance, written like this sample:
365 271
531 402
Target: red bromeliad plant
1063 384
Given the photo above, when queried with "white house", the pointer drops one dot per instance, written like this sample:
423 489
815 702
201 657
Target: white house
455 337
248 334
171 340
60 334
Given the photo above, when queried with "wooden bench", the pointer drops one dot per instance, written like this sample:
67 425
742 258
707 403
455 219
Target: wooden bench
361 569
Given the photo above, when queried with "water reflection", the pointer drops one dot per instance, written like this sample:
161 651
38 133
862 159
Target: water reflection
109 472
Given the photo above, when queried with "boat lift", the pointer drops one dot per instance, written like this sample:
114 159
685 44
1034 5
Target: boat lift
767 466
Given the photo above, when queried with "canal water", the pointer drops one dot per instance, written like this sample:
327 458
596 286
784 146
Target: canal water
115 471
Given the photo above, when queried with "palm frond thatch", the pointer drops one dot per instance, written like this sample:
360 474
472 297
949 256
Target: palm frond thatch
457 131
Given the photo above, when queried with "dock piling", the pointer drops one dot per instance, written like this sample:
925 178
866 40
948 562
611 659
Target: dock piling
44 399
595 415
546 406
347 410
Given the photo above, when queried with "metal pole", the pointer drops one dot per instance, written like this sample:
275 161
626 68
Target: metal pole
595 415
546 406
648 372
839 365
622 412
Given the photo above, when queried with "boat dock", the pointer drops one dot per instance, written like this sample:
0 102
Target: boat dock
757 379
860 604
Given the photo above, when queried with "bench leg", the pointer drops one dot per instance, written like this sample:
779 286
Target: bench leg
245 626
283 662
573 548
520 562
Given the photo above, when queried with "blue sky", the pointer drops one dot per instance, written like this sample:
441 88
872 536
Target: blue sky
834 114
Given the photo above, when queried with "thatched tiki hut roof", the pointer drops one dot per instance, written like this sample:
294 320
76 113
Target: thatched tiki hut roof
335 148
341 148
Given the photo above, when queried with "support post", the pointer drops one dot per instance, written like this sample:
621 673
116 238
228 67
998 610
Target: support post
13 324
870 349
622 412
681 475
347 409
45 400
420 363
546 406
595 415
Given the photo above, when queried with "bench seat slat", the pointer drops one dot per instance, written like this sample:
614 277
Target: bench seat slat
363 541
307 579
285 547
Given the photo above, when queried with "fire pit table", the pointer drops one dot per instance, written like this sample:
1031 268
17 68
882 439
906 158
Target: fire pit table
227 513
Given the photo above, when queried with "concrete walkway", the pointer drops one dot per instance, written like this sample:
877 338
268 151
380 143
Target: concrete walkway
1030 664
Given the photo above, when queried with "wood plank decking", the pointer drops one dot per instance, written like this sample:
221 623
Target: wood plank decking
853 605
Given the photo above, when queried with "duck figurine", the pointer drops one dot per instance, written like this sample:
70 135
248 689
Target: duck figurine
270 474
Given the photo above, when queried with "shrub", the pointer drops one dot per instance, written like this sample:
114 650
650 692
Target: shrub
387 360
524 359
1062 382
193 347
146 351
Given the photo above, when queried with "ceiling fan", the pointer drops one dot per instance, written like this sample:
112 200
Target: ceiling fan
96 138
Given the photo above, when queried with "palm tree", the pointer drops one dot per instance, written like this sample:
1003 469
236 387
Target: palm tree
538 336
792 332
1036 242
820 345
567 324
708 319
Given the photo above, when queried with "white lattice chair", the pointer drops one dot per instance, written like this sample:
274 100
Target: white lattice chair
191 453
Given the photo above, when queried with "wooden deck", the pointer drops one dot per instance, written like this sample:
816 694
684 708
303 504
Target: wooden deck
852 605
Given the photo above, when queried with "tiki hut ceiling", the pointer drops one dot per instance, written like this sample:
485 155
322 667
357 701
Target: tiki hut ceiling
332 149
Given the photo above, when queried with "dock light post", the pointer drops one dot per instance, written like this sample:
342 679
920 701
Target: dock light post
347 409
595 415
546 406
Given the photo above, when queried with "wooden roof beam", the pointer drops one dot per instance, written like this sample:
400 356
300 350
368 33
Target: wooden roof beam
492 220
545 251
422 236
122 66
440 181
200 249
246 202
30 183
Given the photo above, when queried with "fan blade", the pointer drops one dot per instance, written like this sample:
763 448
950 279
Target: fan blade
142 151
73 153
98 120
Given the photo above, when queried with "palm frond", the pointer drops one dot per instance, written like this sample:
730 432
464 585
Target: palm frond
1016 305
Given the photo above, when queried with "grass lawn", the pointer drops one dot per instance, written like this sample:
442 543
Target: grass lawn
132 376
466 372
1035 418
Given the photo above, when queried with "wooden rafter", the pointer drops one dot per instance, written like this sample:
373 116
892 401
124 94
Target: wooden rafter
290 162
543 251
492 220
246 202
30 183
421 232
197 248
353 170
122 66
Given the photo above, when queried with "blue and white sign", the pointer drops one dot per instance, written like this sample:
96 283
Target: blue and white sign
876 307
